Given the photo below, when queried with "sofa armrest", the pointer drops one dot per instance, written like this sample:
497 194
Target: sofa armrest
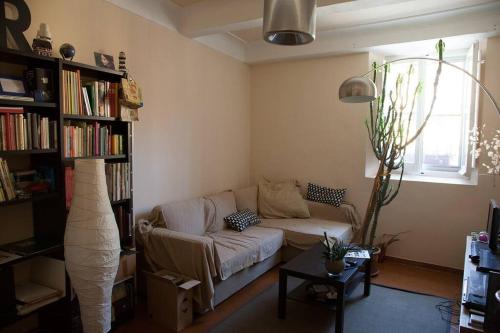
183 253
346 213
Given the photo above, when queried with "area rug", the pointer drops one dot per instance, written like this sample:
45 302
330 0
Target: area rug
386 310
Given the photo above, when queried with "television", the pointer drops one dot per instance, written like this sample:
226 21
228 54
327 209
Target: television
493 225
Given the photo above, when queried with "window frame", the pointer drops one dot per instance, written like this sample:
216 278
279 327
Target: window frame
463 172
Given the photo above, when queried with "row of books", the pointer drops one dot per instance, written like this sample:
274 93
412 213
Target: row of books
118 181
7 191
19 131
82 139
94 98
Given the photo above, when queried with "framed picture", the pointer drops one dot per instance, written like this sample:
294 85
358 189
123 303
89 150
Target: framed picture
104 60
11 85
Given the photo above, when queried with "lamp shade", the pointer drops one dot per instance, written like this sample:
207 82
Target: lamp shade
357 89
289 22
92 245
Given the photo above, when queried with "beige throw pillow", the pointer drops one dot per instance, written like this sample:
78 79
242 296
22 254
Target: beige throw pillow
281 200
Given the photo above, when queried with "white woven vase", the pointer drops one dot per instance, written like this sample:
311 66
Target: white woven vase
92 245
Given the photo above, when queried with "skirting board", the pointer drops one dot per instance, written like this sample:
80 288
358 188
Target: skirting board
424 264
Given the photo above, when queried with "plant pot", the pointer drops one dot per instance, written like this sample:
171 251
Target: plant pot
376 251
335 267
375 260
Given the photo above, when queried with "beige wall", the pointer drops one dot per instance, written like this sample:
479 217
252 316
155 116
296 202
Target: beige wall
301 130
194 133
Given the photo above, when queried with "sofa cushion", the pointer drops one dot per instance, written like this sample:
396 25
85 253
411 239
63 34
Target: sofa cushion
304 233
281 200
246 198
183 216
223 204
235 251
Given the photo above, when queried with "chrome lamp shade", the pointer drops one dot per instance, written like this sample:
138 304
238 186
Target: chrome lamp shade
357 89
289 22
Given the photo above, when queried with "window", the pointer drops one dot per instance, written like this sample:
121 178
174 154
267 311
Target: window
442 148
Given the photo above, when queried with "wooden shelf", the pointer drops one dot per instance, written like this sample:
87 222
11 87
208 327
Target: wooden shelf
36 197
89 118
42 248
25 58
93 71
13 102
27 152
105 157
119 202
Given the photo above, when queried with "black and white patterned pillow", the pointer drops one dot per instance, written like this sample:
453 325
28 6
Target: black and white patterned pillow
241 220
326 195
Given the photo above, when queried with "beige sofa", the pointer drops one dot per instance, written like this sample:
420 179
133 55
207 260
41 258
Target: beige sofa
190 237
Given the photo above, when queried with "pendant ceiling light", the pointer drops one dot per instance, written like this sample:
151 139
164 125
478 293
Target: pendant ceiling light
289 22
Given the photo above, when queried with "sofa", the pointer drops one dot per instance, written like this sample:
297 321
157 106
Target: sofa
190 238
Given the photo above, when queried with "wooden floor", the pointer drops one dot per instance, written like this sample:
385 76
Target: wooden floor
393 273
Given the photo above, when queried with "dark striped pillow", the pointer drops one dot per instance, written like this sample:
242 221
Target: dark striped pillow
325 195
241 220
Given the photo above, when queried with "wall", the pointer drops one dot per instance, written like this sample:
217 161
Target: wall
194 134
301 130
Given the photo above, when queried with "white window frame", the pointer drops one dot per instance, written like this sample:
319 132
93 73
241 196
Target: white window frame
465 173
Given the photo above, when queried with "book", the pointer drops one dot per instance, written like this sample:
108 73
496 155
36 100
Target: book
361 254
20 131
82 139
11 109
31 293
17 98
6 181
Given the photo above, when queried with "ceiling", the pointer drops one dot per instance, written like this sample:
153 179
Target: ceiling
343 26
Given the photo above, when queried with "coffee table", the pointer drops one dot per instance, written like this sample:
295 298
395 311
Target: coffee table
309 265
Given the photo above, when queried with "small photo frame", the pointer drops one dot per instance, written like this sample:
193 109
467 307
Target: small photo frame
104 60
12 86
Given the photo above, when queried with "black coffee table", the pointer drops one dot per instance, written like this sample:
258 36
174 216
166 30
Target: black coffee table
310 266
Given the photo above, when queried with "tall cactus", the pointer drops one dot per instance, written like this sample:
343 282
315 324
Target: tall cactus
389 134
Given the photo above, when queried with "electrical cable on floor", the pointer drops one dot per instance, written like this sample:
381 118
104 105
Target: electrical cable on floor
449 310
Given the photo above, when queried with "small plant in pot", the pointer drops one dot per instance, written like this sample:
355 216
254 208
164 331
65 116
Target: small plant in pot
334 255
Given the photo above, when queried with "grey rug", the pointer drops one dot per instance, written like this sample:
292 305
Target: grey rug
386 310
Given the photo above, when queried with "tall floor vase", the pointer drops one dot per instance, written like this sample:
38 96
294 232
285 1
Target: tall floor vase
92 245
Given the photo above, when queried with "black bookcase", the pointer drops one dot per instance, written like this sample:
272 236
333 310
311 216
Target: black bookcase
49 210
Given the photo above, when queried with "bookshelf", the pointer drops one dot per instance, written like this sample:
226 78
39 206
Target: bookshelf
49 210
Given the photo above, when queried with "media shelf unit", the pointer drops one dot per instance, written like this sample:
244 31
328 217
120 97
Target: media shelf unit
49 210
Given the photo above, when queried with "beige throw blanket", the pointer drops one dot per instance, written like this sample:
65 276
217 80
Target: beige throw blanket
183 253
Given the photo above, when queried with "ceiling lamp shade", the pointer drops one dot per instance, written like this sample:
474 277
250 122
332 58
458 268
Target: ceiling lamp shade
289 22
357 89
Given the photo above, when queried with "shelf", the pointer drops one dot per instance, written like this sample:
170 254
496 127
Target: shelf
93 71
27 152
25 58
128 278
12 102
90 118
119 202
105 157
29 248
33 198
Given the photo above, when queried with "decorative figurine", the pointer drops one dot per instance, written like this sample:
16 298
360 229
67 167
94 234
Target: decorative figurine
121 64
67 51
42 44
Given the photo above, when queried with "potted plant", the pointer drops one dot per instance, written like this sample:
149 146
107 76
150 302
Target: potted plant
334 255
385 241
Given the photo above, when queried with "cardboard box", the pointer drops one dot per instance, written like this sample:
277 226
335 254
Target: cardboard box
126 268
170 299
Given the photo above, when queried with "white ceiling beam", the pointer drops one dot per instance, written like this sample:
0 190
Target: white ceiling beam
478 20
221 16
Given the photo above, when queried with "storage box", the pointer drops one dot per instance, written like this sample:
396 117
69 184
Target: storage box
170 299
126 267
